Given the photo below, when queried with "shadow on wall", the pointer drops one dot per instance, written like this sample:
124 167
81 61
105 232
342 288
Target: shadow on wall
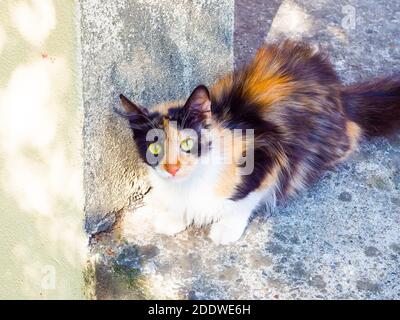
43 244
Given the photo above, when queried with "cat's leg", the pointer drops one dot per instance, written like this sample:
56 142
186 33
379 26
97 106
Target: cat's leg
153 217
138 223
230 227
169 222
168 217
234 219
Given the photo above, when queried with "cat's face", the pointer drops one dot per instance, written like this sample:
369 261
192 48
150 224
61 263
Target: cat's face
169 136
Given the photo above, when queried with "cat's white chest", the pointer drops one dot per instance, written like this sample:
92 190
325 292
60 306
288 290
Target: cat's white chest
170 207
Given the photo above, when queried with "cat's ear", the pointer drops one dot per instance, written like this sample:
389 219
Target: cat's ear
129 106
200 101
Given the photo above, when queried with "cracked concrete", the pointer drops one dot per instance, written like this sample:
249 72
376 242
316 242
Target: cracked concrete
339 239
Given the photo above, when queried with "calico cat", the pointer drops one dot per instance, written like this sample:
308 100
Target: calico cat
302 121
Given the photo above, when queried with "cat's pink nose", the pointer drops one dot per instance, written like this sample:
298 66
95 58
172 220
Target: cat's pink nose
172 168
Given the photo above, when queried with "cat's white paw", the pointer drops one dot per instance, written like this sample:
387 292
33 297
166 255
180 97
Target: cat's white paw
222 233
138 223
169 226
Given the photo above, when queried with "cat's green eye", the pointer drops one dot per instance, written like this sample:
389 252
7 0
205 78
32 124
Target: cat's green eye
187 144
155 148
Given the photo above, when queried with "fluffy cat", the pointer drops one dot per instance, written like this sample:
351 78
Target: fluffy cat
302 120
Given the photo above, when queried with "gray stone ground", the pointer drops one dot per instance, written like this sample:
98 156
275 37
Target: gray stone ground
339 239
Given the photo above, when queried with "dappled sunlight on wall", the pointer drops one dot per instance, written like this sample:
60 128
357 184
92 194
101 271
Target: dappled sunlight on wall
34 19
40 153
3 38
28 118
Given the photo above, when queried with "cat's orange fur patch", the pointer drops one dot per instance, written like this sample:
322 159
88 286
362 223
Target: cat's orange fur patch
269 90
230 175
222 86
262 82
228 180
265 84
353 132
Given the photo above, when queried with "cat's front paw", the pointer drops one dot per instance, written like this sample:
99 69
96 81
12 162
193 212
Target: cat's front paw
147 219
138 223
169 227
221 233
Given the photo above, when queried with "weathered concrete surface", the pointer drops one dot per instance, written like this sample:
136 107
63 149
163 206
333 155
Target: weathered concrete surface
151 51
253 19
339 239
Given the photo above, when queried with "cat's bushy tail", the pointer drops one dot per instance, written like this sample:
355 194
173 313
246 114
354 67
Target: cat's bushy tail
374 105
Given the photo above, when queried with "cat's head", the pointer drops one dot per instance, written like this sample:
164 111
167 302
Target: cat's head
169 136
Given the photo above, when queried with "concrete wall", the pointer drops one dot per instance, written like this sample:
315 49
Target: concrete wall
41 212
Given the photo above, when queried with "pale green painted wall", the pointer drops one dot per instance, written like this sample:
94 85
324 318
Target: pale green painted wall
41 209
